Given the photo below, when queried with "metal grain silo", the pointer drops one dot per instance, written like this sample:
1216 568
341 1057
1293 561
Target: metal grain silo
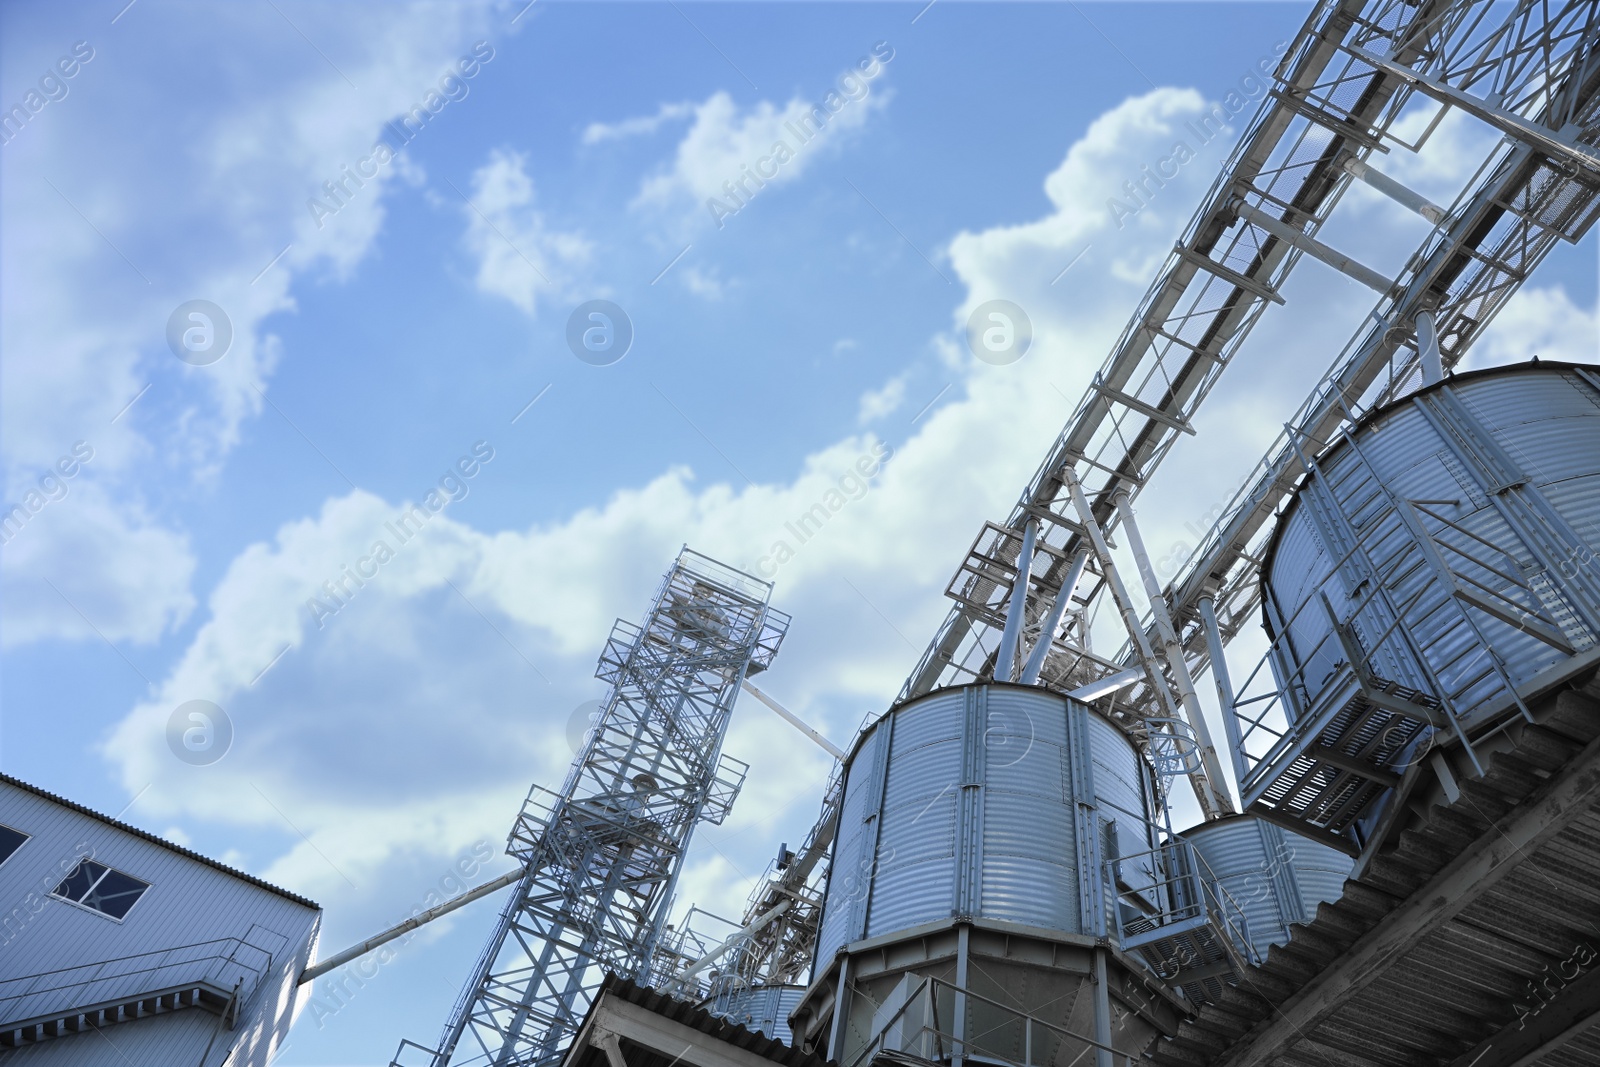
967 885
763 1008
1274 877
1435 570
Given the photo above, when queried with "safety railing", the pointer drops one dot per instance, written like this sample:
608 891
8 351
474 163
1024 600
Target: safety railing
1040 1042
229 965
1175 914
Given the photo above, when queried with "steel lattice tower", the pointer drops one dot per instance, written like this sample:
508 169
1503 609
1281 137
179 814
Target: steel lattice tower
603 854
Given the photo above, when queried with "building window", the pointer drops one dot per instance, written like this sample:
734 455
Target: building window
10 841
99 888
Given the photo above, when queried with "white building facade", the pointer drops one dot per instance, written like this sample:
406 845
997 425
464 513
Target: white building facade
117 947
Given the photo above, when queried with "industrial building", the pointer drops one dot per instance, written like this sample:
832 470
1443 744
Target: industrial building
1395 623
1397 860
119 947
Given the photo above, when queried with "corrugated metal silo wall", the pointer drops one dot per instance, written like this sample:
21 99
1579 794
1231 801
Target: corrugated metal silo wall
1275 877
1011 832
1548 422
763 1008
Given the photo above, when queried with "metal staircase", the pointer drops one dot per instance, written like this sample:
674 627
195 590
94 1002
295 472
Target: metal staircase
1405 647
1172 915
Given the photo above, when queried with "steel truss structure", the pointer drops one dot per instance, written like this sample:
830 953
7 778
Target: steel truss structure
602 855
1531 70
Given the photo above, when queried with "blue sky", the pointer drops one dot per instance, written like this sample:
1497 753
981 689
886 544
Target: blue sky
375 347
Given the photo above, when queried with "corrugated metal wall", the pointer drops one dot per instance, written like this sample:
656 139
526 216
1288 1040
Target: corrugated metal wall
962 803
1541 423
763 1008
1276 877
189 903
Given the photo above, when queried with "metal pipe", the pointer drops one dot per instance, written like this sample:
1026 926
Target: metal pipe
794 720
1428 349
683 976
1052 622
1006 660
1400 194
317 970
1177 663
1109 684
1224 683
1130 619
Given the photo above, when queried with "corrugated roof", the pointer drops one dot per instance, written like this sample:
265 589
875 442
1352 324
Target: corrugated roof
153 839
1470 976
694 1017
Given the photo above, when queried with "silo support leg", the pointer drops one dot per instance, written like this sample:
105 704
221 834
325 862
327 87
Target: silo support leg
1102 1011
958 1025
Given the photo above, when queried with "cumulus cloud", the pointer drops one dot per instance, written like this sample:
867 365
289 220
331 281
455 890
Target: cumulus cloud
730 154
519 257
87 567
97 259
879 403
863 584
1539 321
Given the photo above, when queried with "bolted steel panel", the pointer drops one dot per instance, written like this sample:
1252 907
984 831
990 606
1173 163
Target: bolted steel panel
977 792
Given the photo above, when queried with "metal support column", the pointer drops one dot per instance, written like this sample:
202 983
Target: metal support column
1052 621
1428 349
1219 676
958 1025
1130 619
841 1012
1102 1010
1176 663
1011 637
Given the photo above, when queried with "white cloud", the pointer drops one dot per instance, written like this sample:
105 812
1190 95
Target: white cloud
87 567
598 132
519 258
702 283
731 154
863 588
878 403
1541 322
88 301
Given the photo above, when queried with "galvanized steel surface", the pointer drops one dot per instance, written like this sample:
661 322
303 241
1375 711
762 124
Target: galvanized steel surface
1501 973
1546 421
765 1009
1277 878
961 803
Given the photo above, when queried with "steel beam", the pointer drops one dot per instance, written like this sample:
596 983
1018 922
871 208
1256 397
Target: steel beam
1314 248
1481 865
1535 1034
794 720
1011 636
1551 142
1052 621
1176 663
1130 618
1399 193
